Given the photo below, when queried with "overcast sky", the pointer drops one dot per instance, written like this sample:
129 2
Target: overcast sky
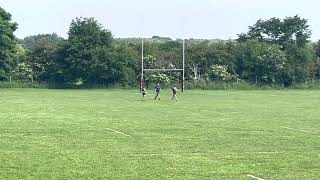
222 19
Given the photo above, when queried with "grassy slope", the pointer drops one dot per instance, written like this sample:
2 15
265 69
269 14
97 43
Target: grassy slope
208 134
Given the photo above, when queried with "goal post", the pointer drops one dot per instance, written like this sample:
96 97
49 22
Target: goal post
183 66
142 66
181 69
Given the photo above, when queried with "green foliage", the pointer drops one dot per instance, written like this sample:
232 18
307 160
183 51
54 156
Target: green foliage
21 68
291 34
317 49
221 85
286 32
197 59
220 73
260 62
123 65
23 72
300 64
42 40
42 59
150 62
7 43
88 52
159 78
201 56
317 60
41 56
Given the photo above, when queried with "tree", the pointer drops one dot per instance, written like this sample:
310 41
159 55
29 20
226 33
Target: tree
41 59
41 40
201 56
123 65
58 73
42 54
220 73
7 43
286 32
260 62
159 78
170 54
197 58
317 59
87 51
21 68
299 66
317 49
221 53
291 35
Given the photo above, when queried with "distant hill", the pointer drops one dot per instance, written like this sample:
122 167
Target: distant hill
158 39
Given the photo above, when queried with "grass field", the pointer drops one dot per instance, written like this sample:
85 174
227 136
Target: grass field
112 134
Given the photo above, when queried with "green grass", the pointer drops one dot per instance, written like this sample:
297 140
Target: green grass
111 134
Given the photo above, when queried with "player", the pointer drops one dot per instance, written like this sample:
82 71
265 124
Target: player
143 92
174 93
157 89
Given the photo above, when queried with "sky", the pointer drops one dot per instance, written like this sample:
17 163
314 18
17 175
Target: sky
204 19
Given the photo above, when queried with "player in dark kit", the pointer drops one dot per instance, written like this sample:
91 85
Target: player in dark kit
143 92
174 93
158 89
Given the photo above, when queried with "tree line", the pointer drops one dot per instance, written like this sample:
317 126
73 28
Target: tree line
272 52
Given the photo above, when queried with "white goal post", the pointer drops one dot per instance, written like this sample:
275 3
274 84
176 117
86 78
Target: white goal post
182 69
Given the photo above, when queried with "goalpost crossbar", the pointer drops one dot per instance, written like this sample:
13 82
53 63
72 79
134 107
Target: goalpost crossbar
163 69
173 69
